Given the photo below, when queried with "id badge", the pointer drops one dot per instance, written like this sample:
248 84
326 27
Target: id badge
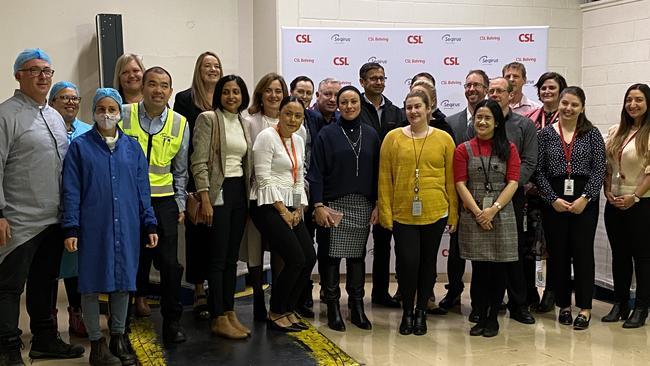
525 223
219 200
296 200
416 208
568 187
488 201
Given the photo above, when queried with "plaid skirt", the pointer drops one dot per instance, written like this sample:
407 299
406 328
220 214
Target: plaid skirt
349 239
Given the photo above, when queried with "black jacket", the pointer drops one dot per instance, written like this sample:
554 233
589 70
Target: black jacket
391 116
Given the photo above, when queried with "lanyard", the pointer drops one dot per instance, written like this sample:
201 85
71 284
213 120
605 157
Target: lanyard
551 120
417 157
486 172
567 151
294 160
620 154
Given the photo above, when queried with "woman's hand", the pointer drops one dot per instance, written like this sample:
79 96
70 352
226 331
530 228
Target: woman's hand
287 217
206 213
451 229
70 244
374 216
487 215
610 197
624 202
578 205
153 241
323 217
487 226
561 205
297 217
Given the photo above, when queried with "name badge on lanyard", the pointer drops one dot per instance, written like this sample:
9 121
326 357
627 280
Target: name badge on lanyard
297 197
416 207
568 151
568 187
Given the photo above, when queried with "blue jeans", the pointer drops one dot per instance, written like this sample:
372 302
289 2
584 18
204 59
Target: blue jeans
119 302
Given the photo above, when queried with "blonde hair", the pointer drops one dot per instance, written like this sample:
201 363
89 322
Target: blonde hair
199 89
431 92
120 64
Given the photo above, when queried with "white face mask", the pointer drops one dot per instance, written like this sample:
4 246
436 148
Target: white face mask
107 121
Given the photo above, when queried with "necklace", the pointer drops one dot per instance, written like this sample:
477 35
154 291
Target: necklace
353 145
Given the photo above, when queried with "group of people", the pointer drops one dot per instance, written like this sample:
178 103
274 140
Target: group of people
272 172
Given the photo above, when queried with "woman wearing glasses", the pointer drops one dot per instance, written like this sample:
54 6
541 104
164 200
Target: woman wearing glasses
64 97
190 103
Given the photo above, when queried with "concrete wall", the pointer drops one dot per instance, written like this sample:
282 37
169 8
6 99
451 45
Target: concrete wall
615 54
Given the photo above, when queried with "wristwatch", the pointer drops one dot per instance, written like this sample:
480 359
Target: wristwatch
636 198
497 205
584 195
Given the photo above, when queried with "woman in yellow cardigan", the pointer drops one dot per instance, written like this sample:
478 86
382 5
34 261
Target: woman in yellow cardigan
417 200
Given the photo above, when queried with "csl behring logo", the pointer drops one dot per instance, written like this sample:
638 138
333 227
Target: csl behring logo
337 38
303 38
447 104
447 38
377 60
487 60
526 37
414 39
340 61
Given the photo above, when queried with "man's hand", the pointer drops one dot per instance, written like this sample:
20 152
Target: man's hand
71 244
153 241
181 217
5 232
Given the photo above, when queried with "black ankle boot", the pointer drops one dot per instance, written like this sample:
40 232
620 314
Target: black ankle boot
358 315
118 347
420 322
547 303
637 319
406 326
10 354
334 318
619 311
100 355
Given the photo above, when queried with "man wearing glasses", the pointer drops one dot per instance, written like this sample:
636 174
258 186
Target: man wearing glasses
462 123
380 113
521 131
33 143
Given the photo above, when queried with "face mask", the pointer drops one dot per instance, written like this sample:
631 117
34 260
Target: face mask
107 121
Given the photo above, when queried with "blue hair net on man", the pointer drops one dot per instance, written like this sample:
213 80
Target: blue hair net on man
30 54
107 93
56 88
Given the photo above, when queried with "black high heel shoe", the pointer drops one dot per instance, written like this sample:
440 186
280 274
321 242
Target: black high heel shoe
619 311
271 323
637 319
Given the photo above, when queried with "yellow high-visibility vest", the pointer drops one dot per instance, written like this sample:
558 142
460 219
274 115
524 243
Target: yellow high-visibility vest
164 146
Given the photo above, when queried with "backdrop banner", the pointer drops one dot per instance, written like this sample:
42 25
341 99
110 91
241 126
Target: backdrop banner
447 54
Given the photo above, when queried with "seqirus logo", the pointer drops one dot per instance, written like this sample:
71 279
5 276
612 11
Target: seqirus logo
449 39
303 38
488 60
414 39
339 39
377 60
447 104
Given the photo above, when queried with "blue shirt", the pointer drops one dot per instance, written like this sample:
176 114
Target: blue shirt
78 128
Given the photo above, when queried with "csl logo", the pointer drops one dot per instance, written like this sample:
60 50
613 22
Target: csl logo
337 38
414 39
526 38
451 61
447 38
340 61
303 38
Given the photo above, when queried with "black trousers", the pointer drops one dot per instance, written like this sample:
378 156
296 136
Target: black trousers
455 266
36 262
197 242
570 237
228 222
521 273
71 290
165 258
628 232
488 284
416 249
381 261
296 249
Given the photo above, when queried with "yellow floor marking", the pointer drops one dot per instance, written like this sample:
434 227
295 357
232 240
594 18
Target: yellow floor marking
323 350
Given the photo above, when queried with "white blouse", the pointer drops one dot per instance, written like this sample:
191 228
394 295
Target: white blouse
274 179
236 145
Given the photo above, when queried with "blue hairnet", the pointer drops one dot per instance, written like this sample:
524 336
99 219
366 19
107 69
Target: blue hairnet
107 93
56 88
30 54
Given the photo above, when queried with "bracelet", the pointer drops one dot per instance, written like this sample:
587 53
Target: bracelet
497 205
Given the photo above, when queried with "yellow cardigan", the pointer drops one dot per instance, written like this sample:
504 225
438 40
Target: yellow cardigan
397 178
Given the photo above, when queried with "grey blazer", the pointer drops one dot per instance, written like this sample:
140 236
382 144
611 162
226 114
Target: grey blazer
458 123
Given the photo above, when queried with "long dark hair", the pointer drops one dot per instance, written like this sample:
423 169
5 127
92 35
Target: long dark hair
615 143
583 124
500 143
218 89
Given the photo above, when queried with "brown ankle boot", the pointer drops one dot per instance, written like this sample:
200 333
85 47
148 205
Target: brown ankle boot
232 318
221 326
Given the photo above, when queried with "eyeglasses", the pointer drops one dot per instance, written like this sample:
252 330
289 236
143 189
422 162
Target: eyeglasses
474 85
497 91
69 99
374 79
37 71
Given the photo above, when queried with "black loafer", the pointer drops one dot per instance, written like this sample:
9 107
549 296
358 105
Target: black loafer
523 316
477 330
581 322
565 317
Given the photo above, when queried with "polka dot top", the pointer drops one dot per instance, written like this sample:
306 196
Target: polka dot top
587 160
